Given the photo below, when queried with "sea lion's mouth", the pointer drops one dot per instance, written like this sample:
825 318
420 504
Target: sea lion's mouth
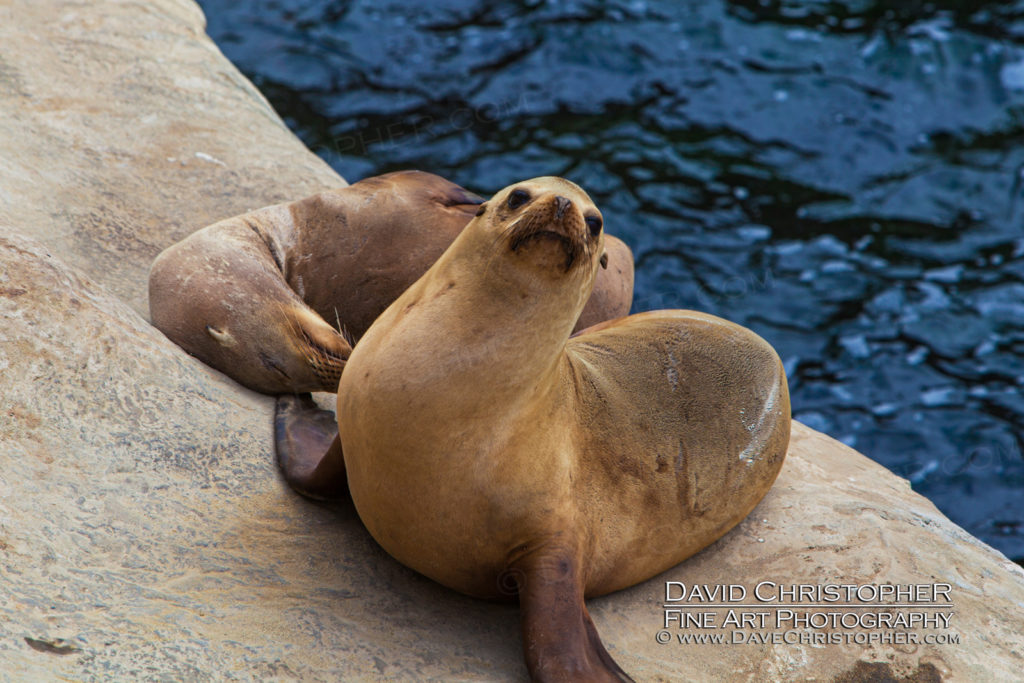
572 248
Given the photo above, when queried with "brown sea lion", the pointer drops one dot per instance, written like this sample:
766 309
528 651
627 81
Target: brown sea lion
274 298
490 450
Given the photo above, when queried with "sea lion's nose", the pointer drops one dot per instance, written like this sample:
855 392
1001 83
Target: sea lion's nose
561 205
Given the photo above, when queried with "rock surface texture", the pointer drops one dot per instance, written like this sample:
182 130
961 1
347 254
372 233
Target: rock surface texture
144 530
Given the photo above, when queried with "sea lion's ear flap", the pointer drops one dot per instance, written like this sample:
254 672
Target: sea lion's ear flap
604 258
482 209
456 195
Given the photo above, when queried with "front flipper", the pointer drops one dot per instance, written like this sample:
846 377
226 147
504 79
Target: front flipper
560 641
308 448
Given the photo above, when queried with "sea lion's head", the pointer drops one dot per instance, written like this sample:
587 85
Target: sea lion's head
528 260
549 225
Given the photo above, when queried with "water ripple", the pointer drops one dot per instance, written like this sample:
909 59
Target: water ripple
843 177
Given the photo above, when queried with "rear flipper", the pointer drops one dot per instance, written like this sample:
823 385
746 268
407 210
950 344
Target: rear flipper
309 449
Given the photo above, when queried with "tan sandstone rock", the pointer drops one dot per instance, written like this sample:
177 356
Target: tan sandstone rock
144 530
124 129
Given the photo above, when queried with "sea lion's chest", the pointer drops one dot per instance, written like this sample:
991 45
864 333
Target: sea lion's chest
444 481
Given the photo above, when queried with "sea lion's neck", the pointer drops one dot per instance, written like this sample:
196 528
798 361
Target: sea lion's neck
468 322
513 328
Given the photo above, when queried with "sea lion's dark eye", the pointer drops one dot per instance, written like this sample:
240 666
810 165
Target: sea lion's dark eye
593 224
517 198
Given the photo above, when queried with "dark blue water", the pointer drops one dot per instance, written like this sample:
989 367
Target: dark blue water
846 178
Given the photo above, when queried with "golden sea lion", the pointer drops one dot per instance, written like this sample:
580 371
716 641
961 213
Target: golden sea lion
490 450
275 298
